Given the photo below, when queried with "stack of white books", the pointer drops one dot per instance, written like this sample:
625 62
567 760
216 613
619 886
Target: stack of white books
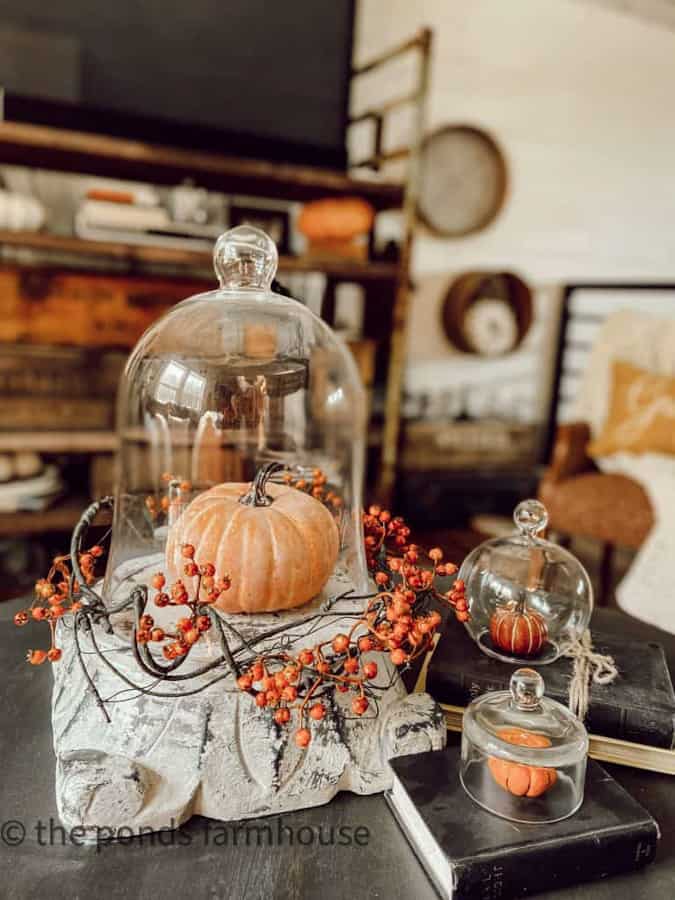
133 214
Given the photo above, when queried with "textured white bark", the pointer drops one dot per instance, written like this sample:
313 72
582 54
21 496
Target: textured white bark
215 753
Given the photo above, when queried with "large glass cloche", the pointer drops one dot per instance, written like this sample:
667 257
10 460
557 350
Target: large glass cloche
527 597
241 423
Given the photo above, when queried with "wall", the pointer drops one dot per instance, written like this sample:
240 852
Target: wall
579 95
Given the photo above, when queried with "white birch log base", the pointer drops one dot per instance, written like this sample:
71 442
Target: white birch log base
214 753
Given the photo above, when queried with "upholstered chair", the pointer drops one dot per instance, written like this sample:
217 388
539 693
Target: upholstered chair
582 501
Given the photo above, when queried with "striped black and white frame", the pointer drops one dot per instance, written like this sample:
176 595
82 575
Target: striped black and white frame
584 309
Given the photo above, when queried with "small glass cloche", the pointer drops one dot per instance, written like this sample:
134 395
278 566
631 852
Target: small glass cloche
526 596
223 399
523 755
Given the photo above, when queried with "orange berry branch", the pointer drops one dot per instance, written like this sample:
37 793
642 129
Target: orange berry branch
190 627
55 596
400 620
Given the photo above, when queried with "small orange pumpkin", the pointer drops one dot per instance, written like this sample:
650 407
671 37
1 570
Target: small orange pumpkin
278 545
336 218
516 631
516 778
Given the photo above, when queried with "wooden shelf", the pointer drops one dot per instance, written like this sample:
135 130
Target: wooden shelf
59 441
341 268
91 441
76 151
144 254
63 516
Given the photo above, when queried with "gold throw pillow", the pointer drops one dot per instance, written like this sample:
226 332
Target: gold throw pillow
641 416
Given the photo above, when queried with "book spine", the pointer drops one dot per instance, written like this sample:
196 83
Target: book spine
460 688
558 864
640 726
653 727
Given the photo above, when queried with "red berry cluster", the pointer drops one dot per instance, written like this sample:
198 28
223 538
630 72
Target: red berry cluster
379 527
317 486
54 597
405 567
297 684
205 590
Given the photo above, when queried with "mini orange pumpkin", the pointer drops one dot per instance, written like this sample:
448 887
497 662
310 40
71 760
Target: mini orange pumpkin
278 545
516 778
336 218
516 631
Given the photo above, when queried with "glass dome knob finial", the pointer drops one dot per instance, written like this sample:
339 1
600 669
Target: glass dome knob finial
527 688
245 257
530 517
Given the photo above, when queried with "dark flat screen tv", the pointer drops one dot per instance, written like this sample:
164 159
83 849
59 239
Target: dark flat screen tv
252 78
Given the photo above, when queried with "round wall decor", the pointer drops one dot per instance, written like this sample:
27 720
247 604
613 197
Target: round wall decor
487 313
463 180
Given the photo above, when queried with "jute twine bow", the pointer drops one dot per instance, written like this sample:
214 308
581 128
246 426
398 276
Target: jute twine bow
588 667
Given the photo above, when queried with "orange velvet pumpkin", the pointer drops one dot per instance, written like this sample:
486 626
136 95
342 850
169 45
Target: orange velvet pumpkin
516 631
516 778
336 218
278 545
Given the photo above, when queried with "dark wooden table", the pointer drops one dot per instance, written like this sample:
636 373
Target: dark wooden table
194 864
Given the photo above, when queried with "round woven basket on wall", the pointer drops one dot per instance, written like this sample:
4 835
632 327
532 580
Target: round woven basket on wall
500 287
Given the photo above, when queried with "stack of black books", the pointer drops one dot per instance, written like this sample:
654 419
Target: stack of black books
470 854
630 721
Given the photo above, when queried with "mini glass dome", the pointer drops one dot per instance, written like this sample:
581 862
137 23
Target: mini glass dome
527 597
231 387
523 755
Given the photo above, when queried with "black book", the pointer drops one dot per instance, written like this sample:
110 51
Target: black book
470 854
639 706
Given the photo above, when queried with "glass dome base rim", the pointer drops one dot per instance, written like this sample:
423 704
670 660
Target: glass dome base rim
540 660
519 821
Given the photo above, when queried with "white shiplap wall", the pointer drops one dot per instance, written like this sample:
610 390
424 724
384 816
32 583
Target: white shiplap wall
579 95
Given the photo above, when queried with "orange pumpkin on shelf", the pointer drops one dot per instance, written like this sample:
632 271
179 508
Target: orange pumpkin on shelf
277 544
516 778
517 630
336 219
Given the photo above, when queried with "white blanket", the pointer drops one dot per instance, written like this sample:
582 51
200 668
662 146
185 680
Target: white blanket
647 591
